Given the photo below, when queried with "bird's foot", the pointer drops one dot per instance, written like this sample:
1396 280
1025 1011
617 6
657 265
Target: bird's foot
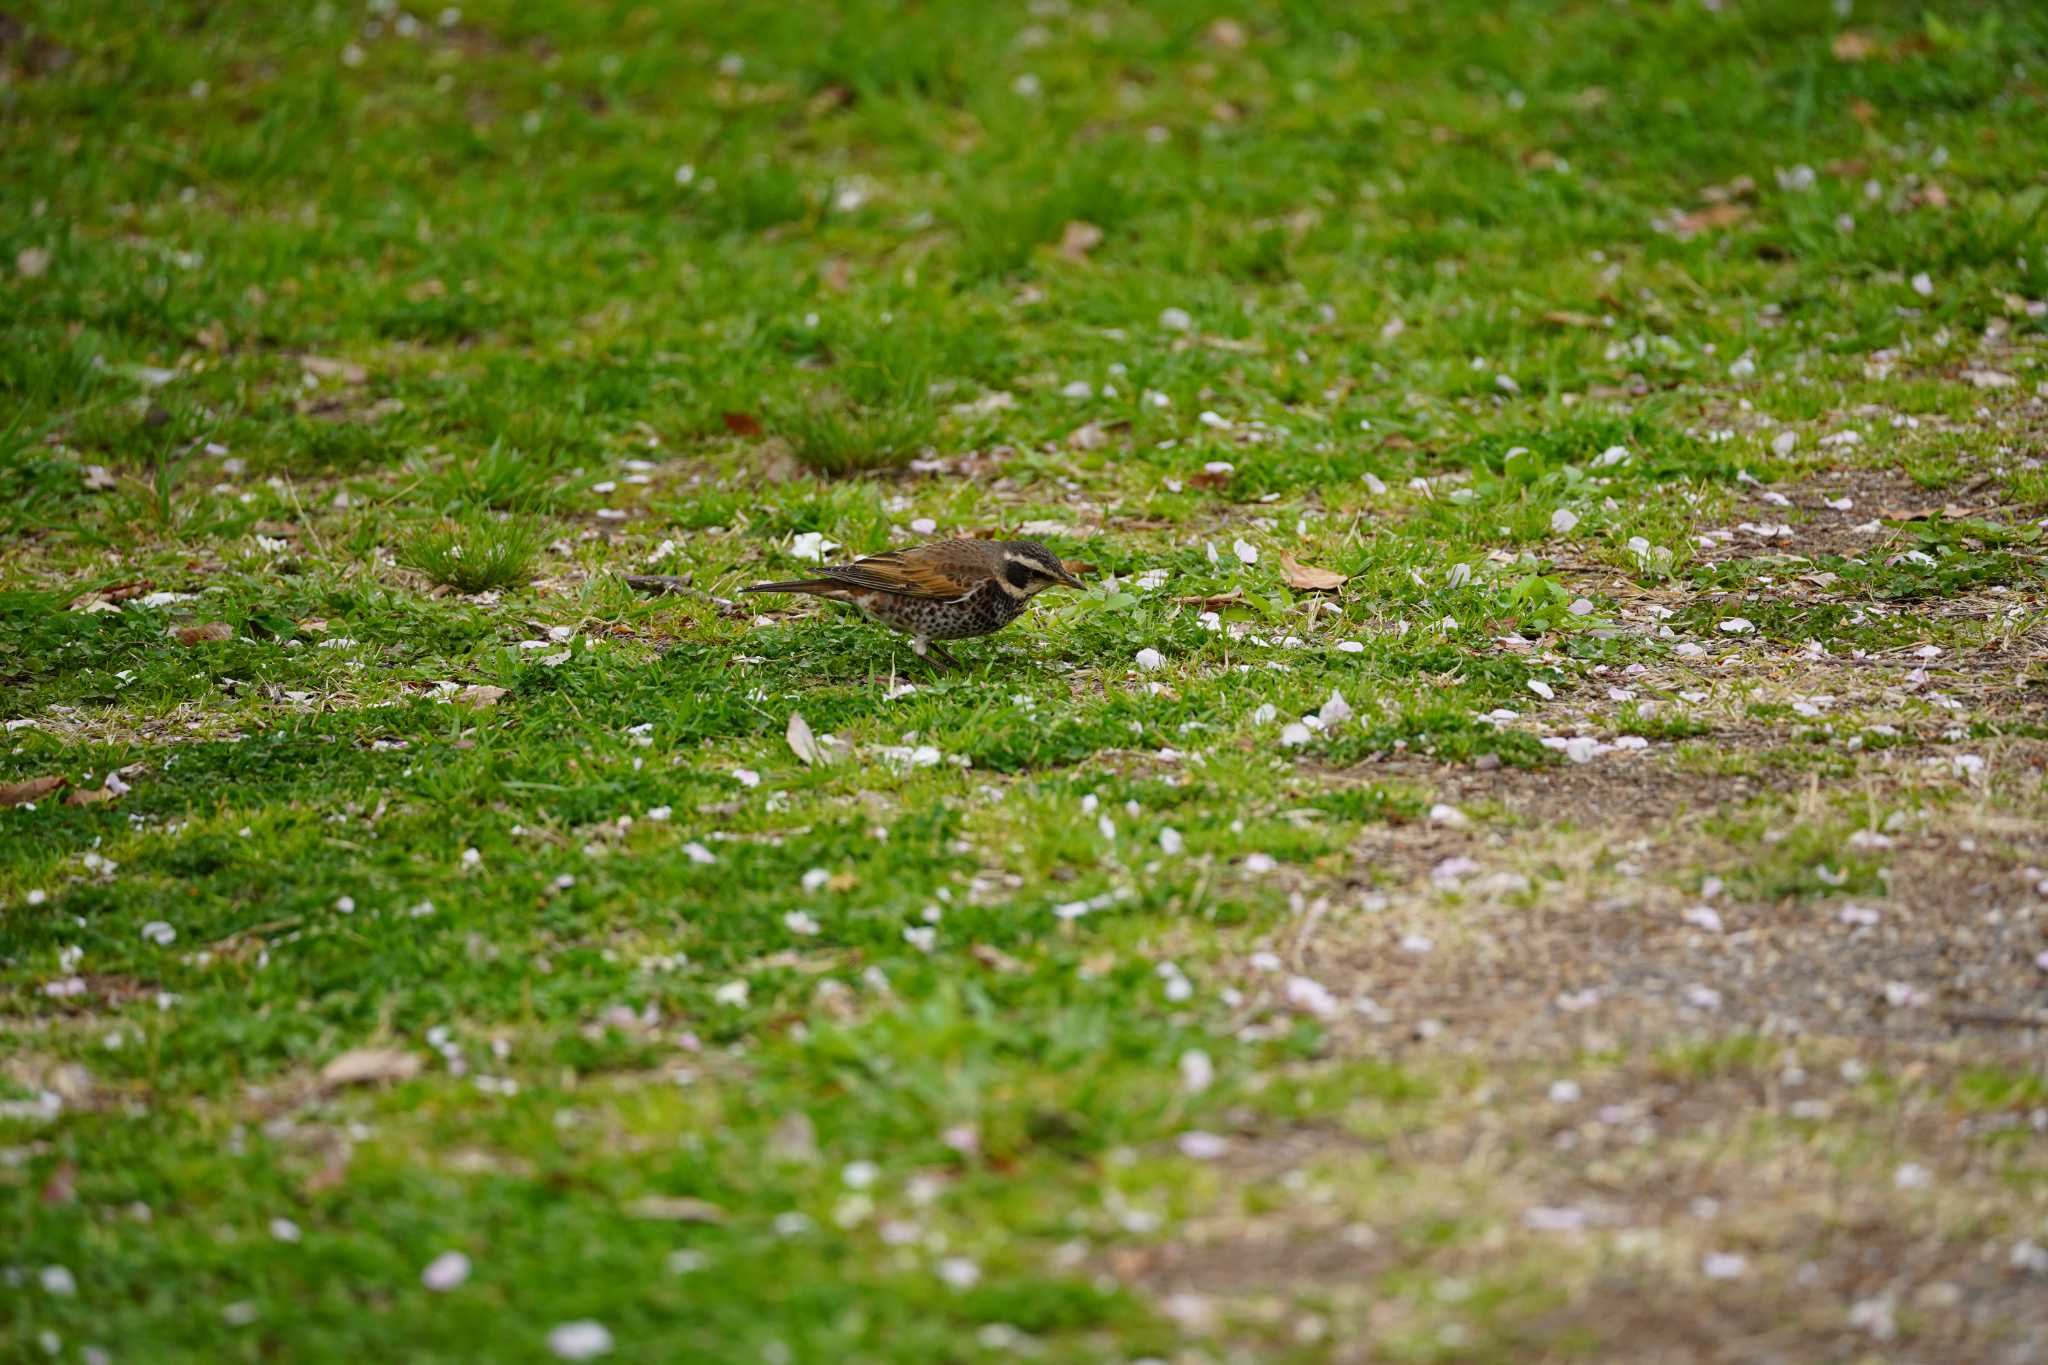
933 653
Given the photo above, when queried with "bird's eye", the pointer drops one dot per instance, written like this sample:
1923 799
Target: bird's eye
1019 575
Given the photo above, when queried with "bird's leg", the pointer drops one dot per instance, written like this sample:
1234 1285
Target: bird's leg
933 654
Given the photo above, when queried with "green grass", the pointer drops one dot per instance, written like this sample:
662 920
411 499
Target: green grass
476 555
306 302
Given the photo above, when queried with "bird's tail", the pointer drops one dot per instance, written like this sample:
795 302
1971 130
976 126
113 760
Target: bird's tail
793 585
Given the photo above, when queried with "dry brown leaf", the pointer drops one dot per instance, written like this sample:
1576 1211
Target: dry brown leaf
1077 239
1563 318
59 1188
826 100
1851 46
1088 436
995 959
803 743
1741 187
328 1177
741 423
1079 568
326 367
1930 195
1227 34
34 789
1713 216
87 796
794 1139
1307 577
370 1066
1211 478
479 694
663 1208
211 632
1214 600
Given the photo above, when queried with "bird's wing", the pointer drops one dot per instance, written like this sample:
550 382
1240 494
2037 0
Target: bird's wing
915 572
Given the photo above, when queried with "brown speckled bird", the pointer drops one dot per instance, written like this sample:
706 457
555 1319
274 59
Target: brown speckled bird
946 590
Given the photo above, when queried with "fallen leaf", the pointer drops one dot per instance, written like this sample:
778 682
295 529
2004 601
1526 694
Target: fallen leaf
99 480
370 1066
803 743
326 367
1211 478
1088 436
826 100
87 796
1079 568
1562 318
34 789
58 1189
995 959
328 1177
211 632
1741 187
1863 111
794 1139
1713 216
479 694
1307 577
1077 239
1213 601
1990 379
741 423
1851 46
997 401
675 1209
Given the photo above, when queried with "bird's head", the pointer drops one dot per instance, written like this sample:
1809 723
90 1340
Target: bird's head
1030 568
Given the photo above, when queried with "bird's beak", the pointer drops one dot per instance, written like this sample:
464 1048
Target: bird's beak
1067 579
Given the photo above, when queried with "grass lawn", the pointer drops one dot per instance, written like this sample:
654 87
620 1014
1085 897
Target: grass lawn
1612 924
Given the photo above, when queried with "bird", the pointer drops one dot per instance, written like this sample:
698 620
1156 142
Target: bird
941 590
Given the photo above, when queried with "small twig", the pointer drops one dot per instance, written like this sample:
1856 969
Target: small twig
1996 1018
1310 920
660 584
